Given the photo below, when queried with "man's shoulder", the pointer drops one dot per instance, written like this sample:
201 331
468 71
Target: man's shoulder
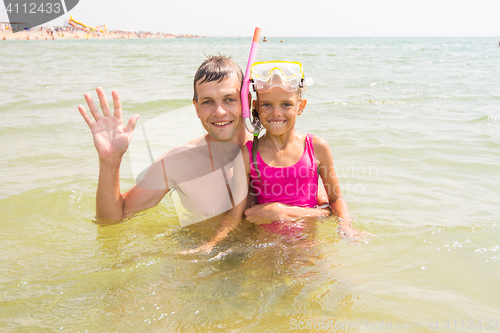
198 142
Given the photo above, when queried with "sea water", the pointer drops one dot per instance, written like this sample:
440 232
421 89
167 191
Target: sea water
413 126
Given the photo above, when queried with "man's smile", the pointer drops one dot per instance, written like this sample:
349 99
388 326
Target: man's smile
221 123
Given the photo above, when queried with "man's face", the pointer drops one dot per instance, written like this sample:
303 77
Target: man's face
219 108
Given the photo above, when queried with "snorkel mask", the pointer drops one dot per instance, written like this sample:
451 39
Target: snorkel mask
288 75
265 75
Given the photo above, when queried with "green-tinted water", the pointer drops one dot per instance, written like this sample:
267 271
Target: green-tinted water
414 130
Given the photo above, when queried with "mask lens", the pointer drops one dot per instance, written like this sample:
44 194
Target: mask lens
286 75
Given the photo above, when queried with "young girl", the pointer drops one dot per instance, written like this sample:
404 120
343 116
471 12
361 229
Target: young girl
284 165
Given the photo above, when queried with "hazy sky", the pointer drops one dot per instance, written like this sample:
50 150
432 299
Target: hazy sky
296 18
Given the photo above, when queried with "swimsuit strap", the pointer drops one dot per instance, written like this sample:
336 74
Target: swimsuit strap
310 151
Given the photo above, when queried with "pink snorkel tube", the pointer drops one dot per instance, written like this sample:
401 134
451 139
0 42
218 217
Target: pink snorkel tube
246 84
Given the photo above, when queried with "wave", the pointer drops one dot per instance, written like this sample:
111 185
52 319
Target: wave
158 105
483 119
369 101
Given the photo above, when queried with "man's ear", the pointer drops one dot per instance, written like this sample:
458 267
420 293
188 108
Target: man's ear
196 108
302 105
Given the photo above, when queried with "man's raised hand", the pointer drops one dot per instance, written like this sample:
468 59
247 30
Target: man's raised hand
111 137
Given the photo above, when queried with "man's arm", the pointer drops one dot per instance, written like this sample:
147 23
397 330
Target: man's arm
111 139
229 221
109 200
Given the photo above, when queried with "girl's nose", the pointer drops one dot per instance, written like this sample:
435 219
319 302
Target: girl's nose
276 110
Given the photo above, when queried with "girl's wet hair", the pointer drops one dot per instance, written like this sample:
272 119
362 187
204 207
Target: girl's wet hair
216 68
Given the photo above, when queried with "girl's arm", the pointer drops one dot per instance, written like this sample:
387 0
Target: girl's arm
332 187
272 211
329 177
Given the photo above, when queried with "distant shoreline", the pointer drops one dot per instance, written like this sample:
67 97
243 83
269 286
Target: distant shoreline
54 35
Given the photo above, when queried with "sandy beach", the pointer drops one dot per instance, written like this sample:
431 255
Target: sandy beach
48 35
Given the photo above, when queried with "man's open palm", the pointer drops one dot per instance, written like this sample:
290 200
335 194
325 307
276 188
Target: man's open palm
111 137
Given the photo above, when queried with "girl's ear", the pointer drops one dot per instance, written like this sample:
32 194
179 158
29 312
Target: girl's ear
254 103
302 105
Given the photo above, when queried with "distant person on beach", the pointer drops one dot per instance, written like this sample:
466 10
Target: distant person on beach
217 85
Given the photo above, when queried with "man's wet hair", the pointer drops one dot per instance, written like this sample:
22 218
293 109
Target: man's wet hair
216 68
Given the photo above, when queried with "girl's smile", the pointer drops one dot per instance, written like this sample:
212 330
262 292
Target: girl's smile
278 110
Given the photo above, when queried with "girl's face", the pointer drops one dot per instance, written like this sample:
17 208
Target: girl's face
278 109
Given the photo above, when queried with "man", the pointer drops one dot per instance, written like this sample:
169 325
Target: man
217 85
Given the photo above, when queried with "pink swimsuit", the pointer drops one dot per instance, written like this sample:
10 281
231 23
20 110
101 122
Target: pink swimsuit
296 185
